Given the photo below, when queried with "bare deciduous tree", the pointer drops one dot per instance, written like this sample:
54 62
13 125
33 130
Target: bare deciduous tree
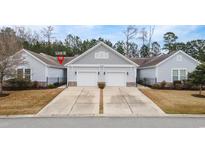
9 60
143 36
151 33
47 33
130 34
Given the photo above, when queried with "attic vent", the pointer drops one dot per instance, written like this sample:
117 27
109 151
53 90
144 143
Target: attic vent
179 58
101 55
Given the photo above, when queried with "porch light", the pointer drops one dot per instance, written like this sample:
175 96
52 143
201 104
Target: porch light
98 73
75 73
104 73
127 73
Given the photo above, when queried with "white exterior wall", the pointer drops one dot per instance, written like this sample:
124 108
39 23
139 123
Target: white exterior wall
150 74
165 69
55 72
147 73
38 70
55 75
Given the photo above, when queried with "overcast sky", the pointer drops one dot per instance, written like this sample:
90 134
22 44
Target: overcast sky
115 32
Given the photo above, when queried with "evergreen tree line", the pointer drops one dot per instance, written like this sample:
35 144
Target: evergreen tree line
45 42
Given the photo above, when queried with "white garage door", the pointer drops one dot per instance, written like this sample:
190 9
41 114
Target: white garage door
87 79
115 79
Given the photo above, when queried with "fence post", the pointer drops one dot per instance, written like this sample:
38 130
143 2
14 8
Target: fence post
47 81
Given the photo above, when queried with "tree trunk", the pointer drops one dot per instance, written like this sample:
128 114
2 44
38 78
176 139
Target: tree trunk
200 89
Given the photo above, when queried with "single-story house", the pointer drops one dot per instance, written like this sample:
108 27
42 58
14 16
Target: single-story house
166 67
101 63
41 67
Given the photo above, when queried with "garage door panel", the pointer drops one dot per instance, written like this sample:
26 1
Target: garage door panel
87 79
115 79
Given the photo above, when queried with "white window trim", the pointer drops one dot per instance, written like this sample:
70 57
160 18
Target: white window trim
178 69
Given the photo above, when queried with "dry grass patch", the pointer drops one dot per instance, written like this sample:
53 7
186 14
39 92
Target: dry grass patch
26 101
177 101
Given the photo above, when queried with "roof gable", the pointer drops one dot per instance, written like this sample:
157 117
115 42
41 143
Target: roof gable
158 60
101 54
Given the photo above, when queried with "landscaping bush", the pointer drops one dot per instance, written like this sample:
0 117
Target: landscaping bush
36 85
18 84
178 85
101 85
156 86
162 84
56 84
169 85
51 86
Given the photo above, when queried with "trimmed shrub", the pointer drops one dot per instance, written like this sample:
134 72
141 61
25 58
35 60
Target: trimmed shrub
101 85
18 84
156 86
56 84
51 86
169 85
36 85
178 84
162 84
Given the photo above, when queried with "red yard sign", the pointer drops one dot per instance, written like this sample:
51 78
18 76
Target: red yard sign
60 56
60 59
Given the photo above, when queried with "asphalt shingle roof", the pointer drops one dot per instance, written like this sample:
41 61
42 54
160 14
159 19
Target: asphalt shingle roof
50 60
147 62
142 62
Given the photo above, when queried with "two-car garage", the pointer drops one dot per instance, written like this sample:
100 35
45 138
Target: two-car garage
110 78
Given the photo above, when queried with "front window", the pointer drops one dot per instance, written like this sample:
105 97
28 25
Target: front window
175 75
19 73
182 74
179 74
28 74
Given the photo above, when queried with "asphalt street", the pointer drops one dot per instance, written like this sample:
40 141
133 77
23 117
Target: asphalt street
103 122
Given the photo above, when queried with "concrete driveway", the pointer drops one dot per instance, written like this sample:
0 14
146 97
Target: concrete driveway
118 101
129 101
74 101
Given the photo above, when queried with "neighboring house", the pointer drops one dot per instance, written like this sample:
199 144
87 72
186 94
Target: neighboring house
101 63
41 67
166 67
